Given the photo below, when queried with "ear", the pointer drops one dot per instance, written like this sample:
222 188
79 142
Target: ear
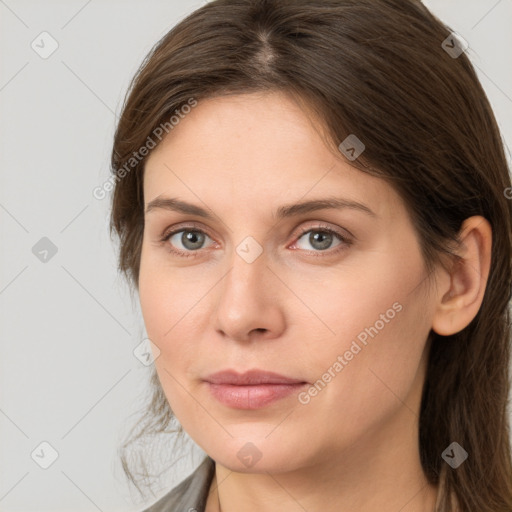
461 289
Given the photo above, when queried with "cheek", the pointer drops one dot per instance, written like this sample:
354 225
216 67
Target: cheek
162 295
155 300
380 377
380 318
370 299
172 304
166 305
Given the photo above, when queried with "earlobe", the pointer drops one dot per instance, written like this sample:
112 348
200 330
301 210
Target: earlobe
464 285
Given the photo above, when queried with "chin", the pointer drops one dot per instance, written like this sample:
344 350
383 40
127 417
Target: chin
265 456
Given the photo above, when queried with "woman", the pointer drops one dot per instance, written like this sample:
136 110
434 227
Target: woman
311 201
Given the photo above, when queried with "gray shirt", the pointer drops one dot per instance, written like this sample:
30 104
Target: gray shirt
191 494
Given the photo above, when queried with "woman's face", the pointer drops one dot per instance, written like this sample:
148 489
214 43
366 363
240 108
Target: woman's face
335 298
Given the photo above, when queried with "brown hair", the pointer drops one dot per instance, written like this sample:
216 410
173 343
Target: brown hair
376 69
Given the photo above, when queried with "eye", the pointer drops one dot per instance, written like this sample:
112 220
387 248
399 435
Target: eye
185 241
190 241
321 239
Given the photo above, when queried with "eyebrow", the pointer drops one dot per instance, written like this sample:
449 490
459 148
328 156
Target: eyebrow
173 204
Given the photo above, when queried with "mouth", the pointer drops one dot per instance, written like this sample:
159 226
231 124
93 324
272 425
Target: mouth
254 389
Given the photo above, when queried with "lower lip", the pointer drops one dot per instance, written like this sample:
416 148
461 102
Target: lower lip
252 397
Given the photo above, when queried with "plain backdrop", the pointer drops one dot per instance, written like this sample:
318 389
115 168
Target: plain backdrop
69 380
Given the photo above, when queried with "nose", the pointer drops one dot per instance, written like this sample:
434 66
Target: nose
249 306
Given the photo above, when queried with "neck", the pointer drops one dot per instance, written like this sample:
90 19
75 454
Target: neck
381 471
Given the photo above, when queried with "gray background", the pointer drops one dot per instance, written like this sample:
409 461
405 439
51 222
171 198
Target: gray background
68 325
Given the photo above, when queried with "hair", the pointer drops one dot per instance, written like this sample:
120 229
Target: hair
376 69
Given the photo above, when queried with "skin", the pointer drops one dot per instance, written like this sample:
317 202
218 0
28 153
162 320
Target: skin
295 309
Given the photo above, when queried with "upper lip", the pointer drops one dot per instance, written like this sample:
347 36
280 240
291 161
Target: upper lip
251 377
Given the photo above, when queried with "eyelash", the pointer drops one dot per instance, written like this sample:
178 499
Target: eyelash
345 242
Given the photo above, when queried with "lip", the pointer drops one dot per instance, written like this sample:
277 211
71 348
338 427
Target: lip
250 378
251 390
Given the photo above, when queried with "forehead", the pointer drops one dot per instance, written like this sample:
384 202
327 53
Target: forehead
259 148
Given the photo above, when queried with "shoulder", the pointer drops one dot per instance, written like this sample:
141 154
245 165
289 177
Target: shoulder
190 495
